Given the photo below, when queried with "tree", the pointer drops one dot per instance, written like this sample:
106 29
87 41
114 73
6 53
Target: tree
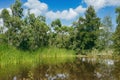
55 30
13 23
1 30
34 33
16 23
17 9
87 30
116 36
6 17
56 23
105 33
92 24
6 20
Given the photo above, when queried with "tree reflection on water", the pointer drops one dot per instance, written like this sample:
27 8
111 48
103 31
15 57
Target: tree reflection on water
79 69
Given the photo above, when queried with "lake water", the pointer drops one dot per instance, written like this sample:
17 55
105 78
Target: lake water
77 69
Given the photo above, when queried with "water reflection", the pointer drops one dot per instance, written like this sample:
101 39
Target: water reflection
79 69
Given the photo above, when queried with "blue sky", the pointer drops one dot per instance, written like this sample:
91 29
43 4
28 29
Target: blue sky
62 4
67 10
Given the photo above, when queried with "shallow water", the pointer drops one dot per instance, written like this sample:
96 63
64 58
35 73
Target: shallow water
78 69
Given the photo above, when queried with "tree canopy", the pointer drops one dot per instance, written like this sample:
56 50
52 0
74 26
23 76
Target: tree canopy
32 32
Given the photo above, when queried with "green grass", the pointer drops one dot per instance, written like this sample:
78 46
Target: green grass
11 55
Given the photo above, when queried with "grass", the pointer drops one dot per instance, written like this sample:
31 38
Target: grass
11 55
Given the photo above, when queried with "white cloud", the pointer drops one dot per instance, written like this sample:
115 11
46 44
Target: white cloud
1 10
1 22
98 4
35 7
65 14
39 8
80 9
113 2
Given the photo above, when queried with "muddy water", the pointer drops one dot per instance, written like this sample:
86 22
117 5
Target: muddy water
78 69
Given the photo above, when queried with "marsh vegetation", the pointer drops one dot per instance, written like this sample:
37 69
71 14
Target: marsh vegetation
31 49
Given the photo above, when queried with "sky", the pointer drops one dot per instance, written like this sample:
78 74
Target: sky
66 10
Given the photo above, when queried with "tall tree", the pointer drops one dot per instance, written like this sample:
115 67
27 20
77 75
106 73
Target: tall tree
117 33
87 30
17 9
16 23
6 17
105 33
55 30
6 20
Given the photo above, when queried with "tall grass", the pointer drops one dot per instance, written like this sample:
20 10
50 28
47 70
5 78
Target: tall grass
11 55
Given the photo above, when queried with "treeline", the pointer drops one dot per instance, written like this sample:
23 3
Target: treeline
31 32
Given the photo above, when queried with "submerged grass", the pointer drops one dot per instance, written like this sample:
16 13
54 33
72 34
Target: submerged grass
11 55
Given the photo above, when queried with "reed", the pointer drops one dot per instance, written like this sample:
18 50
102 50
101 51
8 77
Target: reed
11 55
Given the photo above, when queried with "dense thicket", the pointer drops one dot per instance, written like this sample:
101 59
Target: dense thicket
31 32
116 36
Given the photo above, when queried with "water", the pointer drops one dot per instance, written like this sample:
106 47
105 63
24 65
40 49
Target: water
78 69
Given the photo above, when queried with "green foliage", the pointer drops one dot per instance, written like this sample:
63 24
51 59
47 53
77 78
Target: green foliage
60 34
87 30
34 34
56 23
13 23
116 35
17 9
31 32
105 39
5 16
1 29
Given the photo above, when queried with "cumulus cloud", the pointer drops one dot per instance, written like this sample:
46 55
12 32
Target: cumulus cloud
39 8
65 14
35 7
98 4
80 9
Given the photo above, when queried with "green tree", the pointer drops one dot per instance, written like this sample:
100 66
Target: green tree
16 23
55 30
116 36
87 30
105 33
56 23
6 20
34 33
17 9
1 30
6 17
13 23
